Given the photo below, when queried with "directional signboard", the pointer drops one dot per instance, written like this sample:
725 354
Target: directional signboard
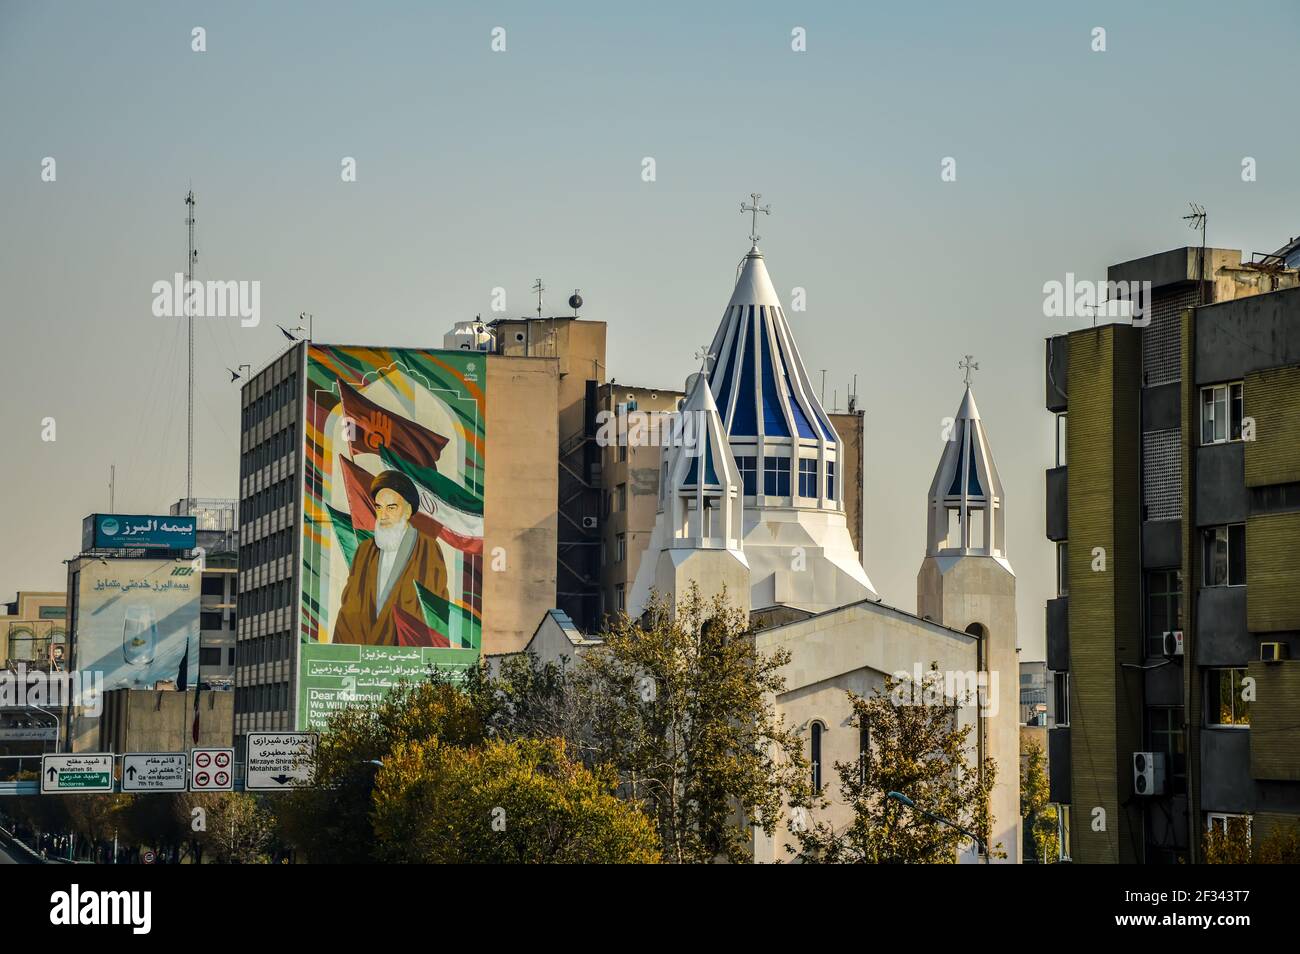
154 771
212 770
76 774
279 760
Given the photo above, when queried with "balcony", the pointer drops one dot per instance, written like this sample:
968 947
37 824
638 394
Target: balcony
1221 635
1221 494
1058 765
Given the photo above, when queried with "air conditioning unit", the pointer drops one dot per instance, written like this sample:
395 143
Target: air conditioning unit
590 523
1148 773
1174 643
1274 652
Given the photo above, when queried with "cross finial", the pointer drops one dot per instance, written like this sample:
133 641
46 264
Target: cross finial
704 356
754 208
968 364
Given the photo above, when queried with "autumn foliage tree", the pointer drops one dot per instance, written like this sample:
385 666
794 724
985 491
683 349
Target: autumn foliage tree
520 801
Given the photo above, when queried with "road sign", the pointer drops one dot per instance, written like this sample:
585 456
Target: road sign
149 857
212 770
279 760
76 774
154 771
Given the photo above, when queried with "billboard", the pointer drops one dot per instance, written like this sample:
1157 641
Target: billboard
392 556
137 622
117 531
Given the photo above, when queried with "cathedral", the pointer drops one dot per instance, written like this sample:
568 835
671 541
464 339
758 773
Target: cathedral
751 502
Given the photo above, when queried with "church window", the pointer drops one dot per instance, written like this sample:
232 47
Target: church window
776 476
807 477
830 479
748 474
815 755
864 753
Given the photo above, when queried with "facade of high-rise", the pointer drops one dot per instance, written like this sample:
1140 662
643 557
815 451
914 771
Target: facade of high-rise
518 525
1174 638
217 535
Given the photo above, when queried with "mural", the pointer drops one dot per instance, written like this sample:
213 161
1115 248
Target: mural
393 522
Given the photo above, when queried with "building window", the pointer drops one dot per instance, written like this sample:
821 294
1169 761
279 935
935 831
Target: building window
620 548
1165 734
1062 569
1224 701
748 474
1221 413
622 451
1164 607
864 754
209 621
1222 821
1223 555
830 480
620 497
807 477
1061 696
776 476
1060 440
620 597
815 754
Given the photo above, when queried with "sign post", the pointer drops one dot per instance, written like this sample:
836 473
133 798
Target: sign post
279 760
212 770
154 771
76 774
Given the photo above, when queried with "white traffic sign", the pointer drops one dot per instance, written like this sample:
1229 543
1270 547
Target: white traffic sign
279 760
154 771
212 770
76 774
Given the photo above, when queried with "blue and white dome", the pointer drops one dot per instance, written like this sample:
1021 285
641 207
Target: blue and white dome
783 441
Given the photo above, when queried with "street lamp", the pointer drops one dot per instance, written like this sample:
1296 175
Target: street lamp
904 800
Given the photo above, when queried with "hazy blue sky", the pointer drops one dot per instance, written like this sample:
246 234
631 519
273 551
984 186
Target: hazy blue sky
479 169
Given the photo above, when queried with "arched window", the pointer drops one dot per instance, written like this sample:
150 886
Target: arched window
815 754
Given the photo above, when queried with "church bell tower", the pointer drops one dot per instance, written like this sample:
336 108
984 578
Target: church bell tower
967 583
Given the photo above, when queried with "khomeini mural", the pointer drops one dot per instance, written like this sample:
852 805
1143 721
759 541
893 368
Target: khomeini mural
751 501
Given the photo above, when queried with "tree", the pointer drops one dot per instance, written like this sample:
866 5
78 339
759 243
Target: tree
330 820
916 748
1229 844
681 704
520 801
1281 847
240 830
1038 814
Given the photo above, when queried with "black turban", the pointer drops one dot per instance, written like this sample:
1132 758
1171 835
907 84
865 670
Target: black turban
400 484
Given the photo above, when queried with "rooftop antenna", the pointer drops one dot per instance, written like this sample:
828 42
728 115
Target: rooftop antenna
539 288
112 486
823 371
853 396
1196 219
755 208
190 259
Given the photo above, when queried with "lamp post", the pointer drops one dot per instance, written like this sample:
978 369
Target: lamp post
904 800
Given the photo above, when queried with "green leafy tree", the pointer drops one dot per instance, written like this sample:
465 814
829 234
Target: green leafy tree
916 748
681 704
519 801
1281 847
240 830
330 820
1039 816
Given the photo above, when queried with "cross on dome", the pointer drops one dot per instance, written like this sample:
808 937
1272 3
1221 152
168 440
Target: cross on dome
755 208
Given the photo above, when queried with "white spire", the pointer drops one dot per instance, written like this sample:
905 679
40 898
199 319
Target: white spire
967 508
700 488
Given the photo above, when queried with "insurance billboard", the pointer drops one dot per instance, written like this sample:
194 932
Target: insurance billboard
392 556
137 622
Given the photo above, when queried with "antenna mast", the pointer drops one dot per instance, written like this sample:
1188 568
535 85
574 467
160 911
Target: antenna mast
189 321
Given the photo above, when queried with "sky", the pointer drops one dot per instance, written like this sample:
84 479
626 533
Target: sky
479 168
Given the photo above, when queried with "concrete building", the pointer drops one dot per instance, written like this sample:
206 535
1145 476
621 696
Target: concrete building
217 533
143 720
33 630
520 523
1175 506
